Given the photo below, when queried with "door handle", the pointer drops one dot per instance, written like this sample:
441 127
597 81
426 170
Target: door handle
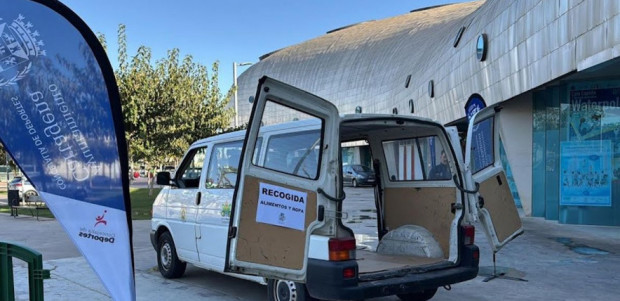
198 198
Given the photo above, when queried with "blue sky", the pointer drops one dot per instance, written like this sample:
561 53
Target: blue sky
228 30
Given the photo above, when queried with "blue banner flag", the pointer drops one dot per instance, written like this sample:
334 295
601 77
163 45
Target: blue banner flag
62 124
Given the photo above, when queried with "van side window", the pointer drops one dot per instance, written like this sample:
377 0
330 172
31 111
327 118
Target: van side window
224 162
222 172
191 168
416 159
294 153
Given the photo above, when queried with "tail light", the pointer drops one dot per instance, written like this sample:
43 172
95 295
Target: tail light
469 232
18 185
341 249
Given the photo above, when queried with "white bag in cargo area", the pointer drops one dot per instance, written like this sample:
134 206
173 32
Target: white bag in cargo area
410 240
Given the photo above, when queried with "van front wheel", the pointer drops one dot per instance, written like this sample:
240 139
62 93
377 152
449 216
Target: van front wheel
169 264
418 296
284 290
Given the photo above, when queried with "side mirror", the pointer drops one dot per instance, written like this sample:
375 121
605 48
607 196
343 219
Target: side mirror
350 172
163 178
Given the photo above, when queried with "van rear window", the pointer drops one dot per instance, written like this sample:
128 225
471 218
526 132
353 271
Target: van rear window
294 153
421 158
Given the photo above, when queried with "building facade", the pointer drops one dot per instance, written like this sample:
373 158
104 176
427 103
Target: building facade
552 65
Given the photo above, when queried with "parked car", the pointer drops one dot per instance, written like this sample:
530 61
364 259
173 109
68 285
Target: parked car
358 175
23 186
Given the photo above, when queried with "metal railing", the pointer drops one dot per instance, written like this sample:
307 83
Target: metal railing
36 273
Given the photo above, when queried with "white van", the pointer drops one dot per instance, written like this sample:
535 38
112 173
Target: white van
266 204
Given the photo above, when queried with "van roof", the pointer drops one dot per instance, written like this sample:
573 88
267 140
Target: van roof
291 126
269 128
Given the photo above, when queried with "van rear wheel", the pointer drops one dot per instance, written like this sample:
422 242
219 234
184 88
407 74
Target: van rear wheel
418 296
169 264
284 290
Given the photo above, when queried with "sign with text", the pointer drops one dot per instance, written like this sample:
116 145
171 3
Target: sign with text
586 173
281 206
62 124
474 104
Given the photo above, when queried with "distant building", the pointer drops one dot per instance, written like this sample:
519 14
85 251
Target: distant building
552 65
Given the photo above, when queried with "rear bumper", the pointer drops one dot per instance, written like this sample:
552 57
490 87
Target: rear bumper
325 281
366 182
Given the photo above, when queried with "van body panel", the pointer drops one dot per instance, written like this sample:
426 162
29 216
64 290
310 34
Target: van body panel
212 220
285 246
426 207
181 212
493 201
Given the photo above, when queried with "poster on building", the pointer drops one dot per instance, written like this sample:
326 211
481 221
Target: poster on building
594 114
281 206
586 172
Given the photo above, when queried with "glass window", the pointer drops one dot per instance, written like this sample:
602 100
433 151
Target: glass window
482 152
223 165
361 168
191 168
295 153
416 159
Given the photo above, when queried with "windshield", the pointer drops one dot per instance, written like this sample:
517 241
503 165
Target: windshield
361 168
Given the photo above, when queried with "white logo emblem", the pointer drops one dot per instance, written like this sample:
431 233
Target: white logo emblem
18 45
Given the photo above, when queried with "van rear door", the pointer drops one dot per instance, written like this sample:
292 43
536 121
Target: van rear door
495 205
275 206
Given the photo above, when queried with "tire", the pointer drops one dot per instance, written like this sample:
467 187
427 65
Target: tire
354 183
284 290
30 193
169 264
419 296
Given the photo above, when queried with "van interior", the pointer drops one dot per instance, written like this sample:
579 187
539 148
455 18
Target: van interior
413 217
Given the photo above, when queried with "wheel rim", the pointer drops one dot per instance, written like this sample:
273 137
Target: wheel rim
165 256
285 291
354 183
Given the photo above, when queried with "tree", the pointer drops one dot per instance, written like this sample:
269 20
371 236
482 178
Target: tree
168 105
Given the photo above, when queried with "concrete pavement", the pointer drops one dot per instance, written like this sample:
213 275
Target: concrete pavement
558 262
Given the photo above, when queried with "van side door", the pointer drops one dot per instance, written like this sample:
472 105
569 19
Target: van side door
183 200
214 210
493 202
276 201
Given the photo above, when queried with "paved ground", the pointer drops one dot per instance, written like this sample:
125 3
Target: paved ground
558 262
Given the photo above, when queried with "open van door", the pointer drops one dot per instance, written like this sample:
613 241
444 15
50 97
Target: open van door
275 205
493 202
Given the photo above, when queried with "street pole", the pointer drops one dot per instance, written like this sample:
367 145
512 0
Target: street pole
235 64
235 94
6 163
